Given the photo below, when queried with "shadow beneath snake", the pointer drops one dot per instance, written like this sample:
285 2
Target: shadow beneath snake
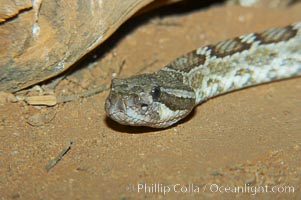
142 129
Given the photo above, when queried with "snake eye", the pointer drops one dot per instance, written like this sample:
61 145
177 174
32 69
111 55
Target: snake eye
156 92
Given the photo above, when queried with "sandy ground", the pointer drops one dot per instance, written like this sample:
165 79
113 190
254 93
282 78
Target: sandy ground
250 137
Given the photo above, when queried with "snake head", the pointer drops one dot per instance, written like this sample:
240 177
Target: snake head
149 100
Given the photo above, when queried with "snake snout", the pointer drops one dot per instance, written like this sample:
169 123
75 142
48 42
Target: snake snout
114 104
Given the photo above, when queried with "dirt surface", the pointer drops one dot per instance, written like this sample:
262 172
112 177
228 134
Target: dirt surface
247 138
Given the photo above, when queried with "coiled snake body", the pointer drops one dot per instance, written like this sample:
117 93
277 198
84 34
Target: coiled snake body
163 98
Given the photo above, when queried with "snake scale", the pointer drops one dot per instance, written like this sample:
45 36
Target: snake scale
163 98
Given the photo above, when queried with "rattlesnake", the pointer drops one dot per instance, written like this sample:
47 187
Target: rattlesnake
163 98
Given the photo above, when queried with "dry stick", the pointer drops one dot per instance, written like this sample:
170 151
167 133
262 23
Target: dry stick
120 68
53 162
147 65
63 99
52 85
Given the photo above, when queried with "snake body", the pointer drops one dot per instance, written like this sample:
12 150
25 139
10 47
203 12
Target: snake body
163 98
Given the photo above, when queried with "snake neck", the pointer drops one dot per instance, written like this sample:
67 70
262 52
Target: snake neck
240 62
161 99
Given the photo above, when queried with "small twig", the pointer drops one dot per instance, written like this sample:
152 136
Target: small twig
53 162
52 85
120 67
63 99
147 65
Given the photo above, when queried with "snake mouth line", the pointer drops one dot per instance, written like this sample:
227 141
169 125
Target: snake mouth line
140 121
121 120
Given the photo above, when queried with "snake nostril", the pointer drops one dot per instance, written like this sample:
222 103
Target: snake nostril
144 107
